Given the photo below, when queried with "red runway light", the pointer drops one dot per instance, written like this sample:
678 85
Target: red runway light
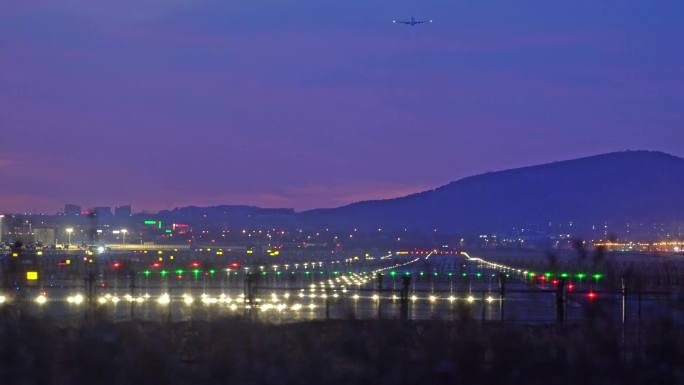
591 295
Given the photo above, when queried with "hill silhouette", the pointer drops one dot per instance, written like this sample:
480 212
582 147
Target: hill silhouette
639 187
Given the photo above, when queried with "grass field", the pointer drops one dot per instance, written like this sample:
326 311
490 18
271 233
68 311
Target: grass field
235 351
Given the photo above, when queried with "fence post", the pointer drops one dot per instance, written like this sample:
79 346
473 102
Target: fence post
89 283
502 294
623 295
379 293
132 291
250 292
327 303
560 301
484 306
406 283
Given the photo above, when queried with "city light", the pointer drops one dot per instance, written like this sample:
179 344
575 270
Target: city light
69 230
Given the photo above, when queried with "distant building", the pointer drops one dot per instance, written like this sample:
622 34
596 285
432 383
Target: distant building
2 228
103 212
72 210
45 235
123 211
21 232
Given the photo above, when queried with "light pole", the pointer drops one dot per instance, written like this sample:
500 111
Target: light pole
69 230
1 218
124 231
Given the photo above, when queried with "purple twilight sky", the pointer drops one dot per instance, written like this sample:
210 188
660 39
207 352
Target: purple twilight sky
318 103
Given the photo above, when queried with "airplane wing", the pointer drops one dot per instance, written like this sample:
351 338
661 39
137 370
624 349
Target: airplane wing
401 22
424 21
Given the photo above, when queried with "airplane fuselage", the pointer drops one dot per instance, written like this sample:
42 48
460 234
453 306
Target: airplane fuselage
412 22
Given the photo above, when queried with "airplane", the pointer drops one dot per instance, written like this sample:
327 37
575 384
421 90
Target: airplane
412 22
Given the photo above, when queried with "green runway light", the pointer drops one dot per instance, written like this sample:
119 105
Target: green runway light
164 273
532 274
146 273
464 274
393 273
150 222
336 273
597 276
179 271
450 274
548 275
279 272
478 274
264 273
564 275
435 273
307 272
421 273
292 272
321 272
212 271
580 275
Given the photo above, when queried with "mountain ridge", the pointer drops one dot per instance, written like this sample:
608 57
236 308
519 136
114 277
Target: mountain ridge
553 190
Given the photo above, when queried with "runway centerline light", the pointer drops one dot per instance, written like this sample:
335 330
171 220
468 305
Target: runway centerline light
164 299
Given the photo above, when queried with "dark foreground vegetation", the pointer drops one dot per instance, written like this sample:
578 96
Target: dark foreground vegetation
236 351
